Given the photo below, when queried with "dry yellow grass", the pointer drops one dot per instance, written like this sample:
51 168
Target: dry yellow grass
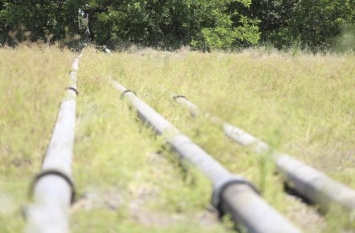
127 180
31 86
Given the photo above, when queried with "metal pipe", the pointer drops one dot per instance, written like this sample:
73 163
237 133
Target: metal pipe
306 180
53 188
230 193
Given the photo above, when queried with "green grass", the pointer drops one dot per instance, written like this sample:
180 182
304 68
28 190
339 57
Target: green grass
127 179
32 81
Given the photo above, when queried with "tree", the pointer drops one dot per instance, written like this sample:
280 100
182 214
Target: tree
317 23
307 23
37 20
171 23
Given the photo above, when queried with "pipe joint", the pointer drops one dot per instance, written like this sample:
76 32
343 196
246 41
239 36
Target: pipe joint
179 96
73 71
53 172
73 89
221 185
127 91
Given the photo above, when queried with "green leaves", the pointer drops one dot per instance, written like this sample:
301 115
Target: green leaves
43 20
203 24
307 23
170 24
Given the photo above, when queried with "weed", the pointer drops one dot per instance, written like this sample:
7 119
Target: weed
127 180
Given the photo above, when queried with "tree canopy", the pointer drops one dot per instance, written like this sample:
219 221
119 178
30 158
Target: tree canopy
309 23
202 24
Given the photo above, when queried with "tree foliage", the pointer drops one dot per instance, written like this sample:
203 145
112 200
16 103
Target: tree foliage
307 23
202 24
40 19
205 24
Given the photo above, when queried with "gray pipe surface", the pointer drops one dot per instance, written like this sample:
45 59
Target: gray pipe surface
306 180
53 189
231 193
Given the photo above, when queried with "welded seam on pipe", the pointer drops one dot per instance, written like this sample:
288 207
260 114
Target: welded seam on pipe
308 181
53 189
245 205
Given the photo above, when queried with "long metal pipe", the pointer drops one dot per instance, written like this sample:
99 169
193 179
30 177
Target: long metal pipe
231 193
53 188
306 180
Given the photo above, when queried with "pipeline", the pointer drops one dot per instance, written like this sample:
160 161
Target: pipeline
53 188
232 194
304 179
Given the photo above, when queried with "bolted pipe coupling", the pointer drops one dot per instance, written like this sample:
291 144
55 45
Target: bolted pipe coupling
179 96
72 88
54 172
127 91
222 184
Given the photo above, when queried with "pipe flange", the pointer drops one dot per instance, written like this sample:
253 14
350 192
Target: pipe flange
179 96
55 173
127 91
73 70
73 89
222 184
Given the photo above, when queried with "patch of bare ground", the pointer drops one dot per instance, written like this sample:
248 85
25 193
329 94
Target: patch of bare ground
94 198
137 210
307 217
148 218
136 199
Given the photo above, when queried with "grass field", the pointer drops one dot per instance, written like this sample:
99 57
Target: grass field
127 179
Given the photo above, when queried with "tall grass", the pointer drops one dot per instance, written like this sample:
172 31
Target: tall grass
301 104
127 179
32 81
